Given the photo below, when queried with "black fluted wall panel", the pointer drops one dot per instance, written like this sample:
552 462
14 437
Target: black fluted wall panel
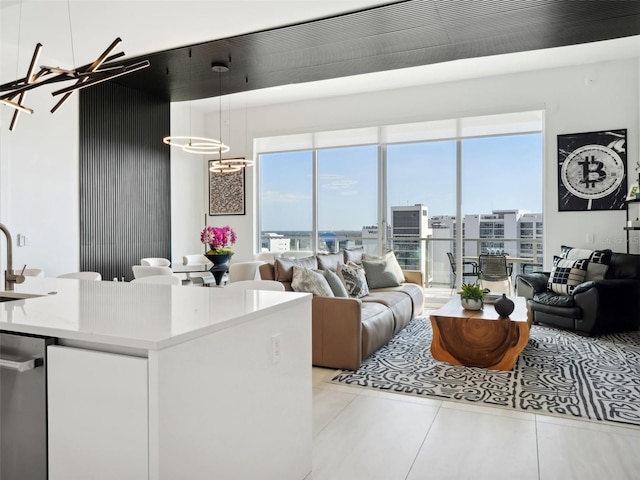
125 187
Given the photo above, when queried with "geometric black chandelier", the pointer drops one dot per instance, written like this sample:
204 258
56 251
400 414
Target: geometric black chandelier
85 76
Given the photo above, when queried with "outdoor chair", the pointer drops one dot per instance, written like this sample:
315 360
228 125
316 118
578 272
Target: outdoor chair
493 271
465 269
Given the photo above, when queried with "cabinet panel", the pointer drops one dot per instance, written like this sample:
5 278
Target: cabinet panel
98 415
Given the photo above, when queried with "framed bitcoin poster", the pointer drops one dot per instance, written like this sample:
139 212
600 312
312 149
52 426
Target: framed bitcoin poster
592 171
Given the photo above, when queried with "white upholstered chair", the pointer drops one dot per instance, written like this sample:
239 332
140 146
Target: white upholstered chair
159 280
140 271
239 271
255 285
155 262
32 272
82 275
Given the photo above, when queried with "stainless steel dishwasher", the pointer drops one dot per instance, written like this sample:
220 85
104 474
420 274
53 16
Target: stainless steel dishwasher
23 406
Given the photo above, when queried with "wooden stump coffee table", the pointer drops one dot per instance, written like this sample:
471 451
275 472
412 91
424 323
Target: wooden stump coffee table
479 338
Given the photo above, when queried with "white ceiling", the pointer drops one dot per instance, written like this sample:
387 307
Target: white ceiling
150 26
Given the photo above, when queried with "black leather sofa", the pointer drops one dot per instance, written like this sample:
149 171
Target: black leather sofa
593 307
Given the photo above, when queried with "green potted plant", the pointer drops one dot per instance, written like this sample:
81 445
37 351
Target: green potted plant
471 296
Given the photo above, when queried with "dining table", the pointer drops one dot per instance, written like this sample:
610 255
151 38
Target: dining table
510 260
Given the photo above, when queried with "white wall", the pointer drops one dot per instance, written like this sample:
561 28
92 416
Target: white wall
609 100
39 189
188 199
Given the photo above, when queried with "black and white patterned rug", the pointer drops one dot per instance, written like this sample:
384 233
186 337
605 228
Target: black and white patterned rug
558 373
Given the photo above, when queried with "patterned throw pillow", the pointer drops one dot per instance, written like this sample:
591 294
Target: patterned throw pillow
566 275
599 260
305 280
354 279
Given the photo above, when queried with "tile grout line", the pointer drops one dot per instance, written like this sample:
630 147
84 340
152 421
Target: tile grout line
415 458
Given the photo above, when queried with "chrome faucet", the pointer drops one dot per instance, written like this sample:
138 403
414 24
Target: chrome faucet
10 278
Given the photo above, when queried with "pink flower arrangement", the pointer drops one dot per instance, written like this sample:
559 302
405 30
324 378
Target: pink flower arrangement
219 239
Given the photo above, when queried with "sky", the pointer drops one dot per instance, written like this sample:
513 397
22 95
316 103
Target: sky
498 173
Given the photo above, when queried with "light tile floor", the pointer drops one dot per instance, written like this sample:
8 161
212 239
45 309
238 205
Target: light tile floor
362 434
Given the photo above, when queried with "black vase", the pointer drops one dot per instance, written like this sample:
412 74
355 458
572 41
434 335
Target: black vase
220 265
504 306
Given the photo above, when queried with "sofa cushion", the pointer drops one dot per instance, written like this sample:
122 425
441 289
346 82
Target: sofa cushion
329 261
398 302
599 260
306 280
550 298
567 274
354 279
353 255
284 267
382 271
413 291
377 327
336 285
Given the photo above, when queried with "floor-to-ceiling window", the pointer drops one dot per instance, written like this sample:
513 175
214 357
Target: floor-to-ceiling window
286 201
410 188
347 195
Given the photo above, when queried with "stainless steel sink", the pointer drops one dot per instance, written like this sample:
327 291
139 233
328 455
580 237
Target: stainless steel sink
13 296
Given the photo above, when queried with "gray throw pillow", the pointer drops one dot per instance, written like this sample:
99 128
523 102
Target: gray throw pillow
379 274
391 265
354 255
329 261
336 285
284 267
354 279
305 280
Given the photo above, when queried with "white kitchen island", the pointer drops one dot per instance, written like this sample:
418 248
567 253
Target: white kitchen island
171 382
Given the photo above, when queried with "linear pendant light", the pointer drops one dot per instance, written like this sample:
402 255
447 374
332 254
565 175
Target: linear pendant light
85 76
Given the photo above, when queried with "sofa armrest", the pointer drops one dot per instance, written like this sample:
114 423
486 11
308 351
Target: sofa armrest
413 276
608 305
527 285
336 332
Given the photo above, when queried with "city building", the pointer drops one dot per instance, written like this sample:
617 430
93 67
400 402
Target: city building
412 223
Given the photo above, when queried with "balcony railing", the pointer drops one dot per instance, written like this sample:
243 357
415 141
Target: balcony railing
428 255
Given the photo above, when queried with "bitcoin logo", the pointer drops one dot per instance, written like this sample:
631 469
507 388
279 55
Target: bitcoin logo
592 171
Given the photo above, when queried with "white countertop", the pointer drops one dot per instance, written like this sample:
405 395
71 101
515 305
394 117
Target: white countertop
137 315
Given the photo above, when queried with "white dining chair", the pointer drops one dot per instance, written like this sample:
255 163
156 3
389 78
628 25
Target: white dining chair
255 285
155 262
158 280
239 271
82 275
140 271
32 272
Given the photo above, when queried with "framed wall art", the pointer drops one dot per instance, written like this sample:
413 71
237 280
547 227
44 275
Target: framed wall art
226 193
592 171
